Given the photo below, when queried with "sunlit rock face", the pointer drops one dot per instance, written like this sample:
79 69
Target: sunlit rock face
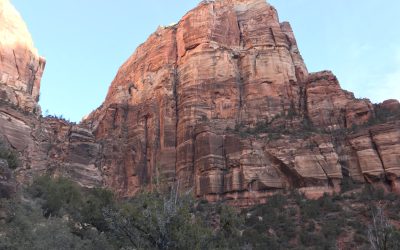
45 146
21 67
330 106
221 103
20 73
224 63
180 106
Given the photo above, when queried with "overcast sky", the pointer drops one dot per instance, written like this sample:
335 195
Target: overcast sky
86 41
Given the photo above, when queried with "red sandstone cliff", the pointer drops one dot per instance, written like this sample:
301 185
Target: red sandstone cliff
221 102
174 105
21 67
43 145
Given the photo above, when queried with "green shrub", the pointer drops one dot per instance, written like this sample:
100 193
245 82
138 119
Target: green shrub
371 193
331 228
10 157
347 184
357 226
312 240
255 240
63 215
58 195
394 240
310 209
26 228
327 204
310 226
159 221
360 239
94 202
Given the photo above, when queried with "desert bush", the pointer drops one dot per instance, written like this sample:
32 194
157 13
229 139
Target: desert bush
371 193
383 115
55 213
310 209
348 184
381 233
311 239
58 196
26 228
158 221
255 240
94 203
10 156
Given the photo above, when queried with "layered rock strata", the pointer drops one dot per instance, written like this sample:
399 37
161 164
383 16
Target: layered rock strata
21 67
225 62
221 103
178 108
44 145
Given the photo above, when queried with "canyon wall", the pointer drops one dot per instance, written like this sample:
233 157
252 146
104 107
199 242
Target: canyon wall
221 103
21 66
44 145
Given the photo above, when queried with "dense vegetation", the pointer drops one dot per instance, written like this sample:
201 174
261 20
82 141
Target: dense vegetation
58 214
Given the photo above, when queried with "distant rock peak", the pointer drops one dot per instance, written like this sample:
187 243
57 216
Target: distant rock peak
13 30
21 67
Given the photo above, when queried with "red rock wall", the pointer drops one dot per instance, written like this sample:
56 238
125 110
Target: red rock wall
21 67
44 146
172 109
226 64
221 102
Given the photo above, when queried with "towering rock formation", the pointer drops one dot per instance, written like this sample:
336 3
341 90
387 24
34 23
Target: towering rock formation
21 67
221 102
43 145
203 102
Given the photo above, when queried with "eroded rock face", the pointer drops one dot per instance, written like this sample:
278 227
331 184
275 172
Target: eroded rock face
181 105
378 150
50 146
44 145
21 67
71 151
330 106
222 103
226 62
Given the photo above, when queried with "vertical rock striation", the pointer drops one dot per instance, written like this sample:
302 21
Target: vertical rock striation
21 67
44 145
221 102
224 63
202 101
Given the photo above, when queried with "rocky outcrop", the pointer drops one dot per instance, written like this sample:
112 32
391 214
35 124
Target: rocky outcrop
44 145
50 146
71 151
331 107
188 105
220 102
226 62
21 67
378 151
